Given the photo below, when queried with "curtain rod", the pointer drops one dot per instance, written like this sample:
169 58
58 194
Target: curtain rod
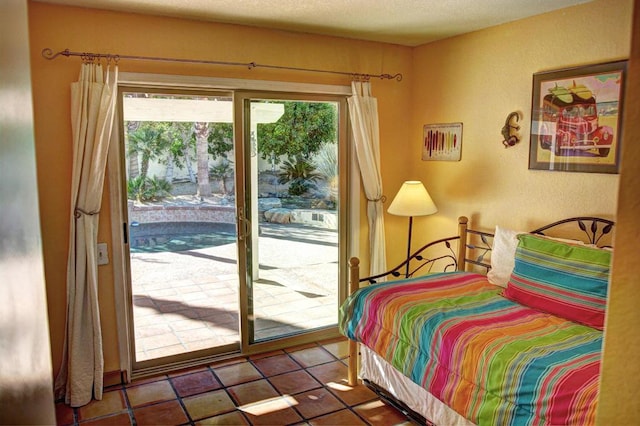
47 53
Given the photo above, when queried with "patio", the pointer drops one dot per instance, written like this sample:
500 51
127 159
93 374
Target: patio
176 312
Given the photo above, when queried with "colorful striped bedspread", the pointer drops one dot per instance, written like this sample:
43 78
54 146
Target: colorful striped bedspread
492 360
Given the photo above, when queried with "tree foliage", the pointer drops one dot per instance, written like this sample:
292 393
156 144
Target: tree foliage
150 141
144 188
301 131
220 139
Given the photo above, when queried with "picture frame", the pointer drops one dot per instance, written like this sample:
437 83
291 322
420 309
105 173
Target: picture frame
576 116
442 142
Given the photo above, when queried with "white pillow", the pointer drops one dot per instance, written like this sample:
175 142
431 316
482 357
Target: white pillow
503 253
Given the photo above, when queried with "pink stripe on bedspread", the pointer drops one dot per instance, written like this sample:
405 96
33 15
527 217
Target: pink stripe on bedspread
490 359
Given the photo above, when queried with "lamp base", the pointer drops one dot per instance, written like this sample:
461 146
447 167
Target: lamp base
406 274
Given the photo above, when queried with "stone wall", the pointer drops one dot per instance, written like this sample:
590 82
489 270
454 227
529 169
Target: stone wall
268 212
187 213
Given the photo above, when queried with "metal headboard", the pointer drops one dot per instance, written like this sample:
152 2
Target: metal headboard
474 247
479 243
594 231
420 262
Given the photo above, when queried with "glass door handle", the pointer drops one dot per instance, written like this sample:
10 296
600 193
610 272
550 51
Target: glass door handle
244 227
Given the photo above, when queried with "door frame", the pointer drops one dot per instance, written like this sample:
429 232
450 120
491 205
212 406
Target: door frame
350 188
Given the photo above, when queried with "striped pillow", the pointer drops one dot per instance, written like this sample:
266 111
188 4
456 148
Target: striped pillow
565 280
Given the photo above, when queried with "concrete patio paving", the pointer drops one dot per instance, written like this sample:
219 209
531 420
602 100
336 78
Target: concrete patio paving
188 300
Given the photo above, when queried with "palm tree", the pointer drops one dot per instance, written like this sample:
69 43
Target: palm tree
222 171
134 166
299 173
202 155
148 139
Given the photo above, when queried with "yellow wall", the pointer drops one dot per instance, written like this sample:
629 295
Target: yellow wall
478 79
89 30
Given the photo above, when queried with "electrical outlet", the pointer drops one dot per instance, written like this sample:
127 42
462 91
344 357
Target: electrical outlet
103 254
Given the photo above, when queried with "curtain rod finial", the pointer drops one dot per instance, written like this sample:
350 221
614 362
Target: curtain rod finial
47 53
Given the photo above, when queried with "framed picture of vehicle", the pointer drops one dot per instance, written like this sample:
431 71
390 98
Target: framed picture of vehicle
576 118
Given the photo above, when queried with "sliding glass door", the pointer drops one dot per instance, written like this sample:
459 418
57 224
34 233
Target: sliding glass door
234 220
181 223
291 213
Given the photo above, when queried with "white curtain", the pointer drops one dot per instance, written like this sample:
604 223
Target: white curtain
363 110
93 100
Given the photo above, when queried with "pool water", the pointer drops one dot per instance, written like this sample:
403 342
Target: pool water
179 236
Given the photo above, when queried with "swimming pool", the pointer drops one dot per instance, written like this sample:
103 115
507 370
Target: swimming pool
179 236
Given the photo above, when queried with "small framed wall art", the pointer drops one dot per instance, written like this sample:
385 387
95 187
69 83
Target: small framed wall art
442 142
576 118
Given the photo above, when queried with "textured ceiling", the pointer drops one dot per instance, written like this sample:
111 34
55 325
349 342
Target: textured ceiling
405 22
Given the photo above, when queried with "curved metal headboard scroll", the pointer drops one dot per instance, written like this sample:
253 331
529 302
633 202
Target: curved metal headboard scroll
421 262
478 250
474 247
594 231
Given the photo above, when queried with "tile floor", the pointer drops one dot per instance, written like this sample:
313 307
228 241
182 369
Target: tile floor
301 385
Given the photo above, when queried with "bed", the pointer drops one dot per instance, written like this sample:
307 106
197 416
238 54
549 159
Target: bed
487 328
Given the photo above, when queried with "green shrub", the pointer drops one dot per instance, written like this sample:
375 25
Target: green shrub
142 188
299 173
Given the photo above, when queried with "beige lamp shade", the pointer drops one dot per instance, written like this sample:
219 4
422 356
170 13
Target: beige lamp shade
412 200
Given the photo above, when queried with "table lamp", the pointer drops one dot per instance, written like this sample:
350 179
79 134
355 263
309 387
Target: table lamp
412 200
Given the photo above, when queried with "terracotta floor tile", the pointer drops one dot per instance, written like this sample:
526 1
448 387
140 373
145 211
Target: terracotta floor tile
115 420
351 395
379 413
339 349
150 393
312 356
277 364
294 382
64 414
252 392
237 373
165 413
333 372
112 403
194 383
276 411
270 389
233 418
317 402
208 404
342 417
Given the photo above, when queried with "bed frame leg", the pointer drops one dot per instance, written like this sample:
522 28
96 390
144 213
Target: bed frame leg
462 243
354 284
352 375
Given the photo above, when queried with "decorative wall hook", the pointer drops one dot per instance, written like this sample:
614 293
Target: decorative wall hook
510 131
